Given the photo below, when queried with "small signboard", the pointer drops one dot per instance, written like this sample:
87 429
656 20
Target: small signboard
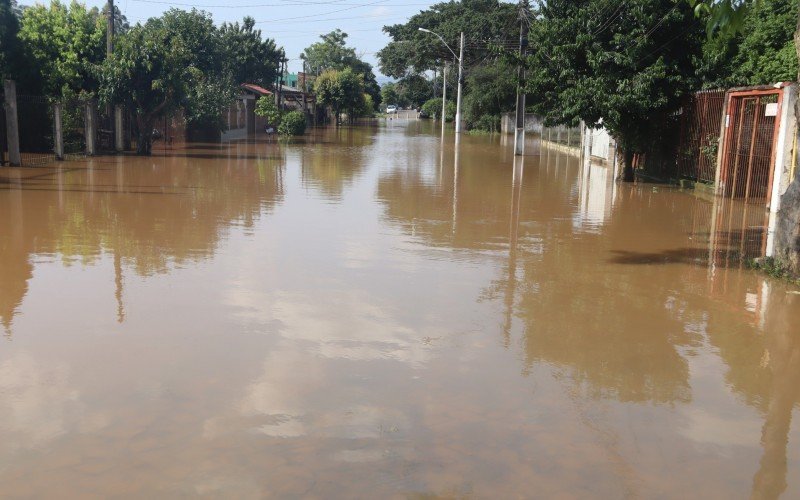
771 109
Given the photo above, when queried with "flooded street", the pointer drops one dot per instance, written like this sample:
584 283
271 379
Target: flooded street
373 313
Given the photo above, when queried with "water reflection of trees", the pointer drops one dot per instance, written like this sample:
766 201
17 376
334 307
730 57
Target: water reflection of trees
149 214
330 170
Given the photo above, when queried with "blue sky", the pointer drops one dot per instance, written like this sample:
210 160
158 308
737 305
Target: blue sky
294 24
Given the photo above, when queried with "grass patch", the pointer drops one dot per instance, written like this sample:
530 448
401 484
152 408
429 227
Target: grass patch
772 267
480 132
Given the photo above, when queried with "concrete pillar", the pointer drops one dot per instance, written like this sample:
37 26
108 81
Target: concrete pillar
12 124
58 131
90 128
781 177
119 129
250 115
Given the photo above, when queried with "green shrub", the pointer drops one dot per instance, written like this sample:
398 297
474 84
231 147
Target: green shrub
292 123
486 123
433 108
266 108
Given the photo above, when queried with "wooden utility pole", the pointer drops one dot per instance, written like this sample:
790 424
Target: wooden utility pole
519 135
110 29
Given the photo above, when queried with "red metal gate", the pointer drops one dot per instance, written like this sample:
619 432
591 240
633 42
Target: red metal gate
749 149
701 117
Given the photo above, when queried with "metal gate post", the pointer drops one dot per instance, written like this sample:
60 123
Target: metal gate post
12 124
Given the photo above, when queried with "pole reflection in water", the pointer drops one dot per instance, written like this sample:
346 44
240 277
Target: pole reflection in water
335 316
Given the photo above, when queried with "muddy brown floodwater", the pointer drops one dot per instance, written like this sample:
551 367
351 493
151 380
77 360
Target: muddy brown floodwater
372 313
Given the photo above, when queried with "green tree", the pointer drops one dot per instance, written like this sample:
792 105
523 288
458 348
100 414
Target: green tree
249 58
414 90
169 62
332 53
616 63
267 108
389 94
9 46
414 52
64 44
494 92
341 90
761 52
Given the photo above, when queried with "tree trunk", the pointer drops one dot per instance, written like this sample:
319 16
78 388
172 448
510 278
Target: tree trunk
144 142
627 166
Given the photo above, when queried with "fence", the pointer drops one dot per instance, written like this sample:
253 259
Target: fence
35 125
42 129
566 136
73 126
701 118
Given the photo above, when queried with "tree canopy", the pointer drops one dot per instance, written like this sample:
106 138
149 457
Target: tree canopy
615 63
486 23
341 90
332 53
250 58
63 44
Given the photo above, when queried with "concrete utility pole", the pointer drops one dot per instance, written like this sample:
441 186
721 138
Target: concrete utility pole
110 30
444 96
460 73
12 123
519 136
303 88
460 84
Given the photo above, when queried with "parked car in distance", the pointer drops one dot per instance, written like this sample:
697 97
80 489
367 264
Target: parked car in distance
391 109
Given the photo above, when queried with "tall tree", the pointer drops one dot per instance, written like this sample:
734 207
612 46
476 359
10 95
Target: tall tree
169 62
9 46
250 58
64 44
761 52
625 64
332 53
341 90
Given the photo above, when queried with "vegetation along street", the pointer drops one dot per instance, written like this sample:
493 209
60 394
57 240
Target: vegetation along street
400 249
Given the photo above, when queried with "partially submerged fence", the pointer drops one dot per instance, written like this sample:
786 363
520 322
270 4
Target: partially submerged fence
35 122
36 130
701 118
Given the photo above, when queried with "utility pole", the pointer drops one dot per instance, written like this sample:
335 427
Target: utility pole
280 82
444 96
110 29
303 88
519 135
460 84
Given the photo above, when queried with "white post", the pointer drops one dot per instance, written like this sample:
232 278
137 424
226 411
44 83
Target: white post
460 84
444 96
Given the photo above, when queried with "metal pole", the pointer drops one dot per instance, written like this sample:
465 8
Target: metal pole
460 84
519 136
444 96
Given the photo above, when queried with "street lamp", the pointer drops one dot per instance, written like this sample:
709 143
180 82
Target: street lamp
460 59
